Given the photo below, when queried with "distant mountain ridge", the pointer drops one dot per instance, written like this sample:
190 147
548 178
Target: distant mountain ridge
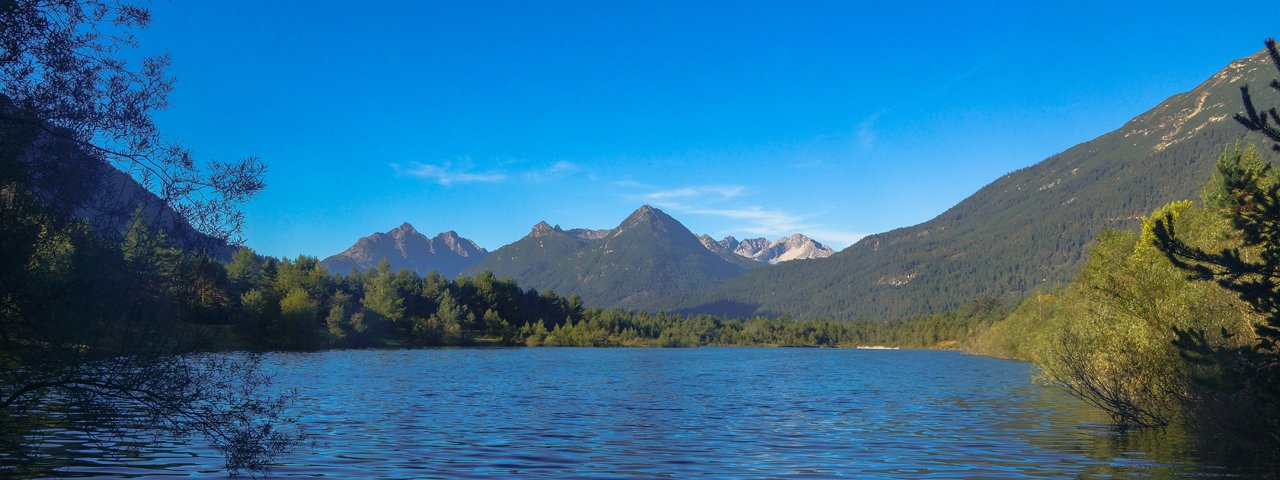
647 257
405 247
794 247
1025 231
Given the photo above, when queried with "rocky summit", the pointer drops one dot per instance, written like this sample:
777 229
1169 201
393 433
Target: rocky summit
404 247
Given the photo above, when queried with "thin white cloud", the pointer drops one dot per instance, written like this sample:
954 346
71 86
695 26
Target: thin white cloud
553 172
866 132
446 174
716 192
629 184
725 202
564 167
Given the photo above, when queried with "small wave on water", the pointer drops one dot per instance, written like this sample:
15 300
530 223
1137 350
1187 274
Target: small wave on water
677 413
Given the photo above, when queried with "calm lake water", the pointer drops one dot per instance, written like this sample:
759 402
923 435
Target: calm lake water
681 413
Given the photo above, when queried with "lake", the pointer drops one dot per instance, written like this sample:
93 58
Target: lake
681 413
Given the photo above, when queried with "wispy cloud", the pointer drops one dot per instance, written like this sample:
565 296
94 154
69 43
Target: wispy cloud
716 192
552 172
564 167
450 173
866 133
446 173
726 202
773 222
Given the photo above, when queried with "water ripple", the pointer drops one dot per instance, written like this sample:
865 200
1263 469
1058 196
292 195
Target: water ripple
700 413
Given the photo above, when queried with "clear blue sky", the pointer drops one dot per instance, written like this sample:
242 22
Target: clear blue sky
834 119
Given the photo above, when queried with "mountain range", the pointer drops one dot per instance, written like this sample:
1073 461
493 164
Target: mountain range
1026 231
404 247
648 257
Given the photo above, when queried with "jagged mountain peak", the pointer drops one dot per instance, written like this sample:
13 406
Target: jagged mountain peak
543 229
406 247
793 247
750 247
729 242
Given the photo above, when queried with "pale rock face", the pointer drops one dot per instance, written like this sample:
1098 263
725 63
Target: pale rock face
794 247
750 247
587 233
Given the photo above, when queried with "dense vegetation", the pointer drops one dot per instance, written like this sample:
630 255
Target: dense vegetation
91 327
1143 334
297 304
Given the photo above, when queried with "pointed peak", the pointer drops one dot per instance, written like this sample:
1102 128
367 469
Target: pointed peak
649 218
644 213
543 229
404 227
448 234
729 242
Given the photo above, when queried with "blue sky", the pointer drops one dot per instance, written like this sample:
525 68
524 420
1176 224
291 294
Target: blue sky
834 119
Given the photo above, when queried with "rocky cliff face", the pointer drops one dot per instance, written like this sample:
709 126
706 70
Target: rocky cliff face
794 247
404 247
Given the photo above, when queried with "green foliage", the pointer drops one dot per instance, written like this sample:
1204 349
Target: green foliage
382 299
298 312
1107 336
1235 389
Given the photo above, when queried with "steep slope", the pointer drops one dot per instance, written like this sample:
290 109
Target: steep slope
74 183
404 247
1025 231
649 256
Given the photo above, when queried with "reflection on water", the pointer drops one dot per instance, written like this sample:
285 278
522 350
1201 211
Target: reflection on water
708 412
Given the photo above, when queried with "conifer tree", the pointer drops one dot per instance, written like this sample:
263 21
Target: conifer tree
1237 397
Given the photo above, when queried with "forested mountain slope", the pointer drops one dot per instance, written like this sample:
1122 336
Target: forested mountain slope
1025 231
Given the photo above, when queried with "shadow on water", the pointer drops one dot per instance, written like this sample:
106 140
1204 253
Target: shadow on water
653 413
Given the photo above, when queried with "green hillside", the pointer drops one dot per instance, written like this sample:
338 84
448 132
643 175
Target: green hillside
1026 230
